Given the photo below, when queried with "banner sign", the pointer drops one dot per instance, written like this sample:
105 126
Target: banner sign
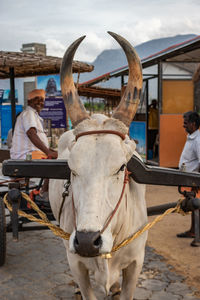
54 109
137 132
51 85
5 96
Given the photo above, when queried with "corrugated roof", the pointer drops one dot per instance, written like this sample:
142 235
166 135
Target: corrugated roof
185 52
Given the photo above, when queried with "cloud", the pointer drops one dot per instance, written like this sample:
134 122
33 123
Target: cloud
92 45
58 23
86 51
54 47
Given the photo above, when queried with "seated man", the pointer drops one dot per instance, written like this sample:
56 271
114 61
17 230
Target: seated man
29 136
29 133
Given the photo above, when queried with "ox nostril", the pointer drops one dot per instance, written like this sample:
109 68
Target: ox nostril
98 242
76 243
87 243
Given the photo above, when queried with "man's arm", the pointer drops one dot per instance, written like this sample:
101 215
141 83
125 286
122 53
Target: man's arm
32 135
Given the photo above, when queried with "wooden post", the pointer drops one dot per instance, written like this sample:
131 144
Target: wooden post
12 95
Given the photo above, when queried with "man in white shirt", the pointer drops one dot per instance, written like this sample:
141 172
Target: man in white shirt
190 157
29 135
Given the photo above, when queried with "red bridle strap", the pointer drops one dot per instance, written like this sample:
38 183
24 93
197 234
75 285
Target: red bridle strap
74 212
122 136
126 180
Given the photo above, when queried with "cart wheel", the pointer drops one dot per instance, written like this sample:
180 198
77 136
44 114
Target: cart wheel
2 233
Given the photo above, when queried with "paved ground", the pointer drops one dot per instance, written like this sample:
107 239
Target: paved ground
162 237
36 268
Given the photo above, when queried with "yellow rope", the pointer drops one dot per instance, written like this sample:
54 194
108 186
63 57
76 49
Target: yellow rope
44 220
149 225
146 227
61 233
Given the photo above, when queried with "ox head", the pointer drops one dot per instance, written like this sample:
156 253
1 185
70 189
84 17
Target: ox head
98 161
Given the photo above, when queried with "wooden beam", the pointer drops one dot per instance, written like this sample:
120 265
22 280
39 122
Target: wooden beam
12 95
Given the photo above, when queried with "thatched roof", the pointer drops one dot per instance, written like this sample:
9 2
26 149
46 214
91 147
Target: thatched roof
26 65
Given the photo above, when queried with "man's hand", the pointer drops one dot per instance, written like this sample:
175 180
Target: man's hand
32 134
52 154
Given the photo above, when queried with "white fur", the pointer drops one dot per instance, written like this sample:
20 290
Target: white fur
95 161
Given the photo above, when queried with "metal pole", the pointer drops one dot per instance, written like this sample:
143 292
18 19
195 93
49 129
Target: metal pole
122 81
196 241
160 76
160 209
12 95
147 115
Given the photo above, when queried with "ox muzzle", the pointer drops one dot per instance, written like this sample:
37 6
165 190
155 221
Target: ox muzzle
87 244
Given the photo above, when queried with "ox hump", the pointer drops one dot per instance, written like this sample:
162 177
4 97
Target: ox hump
100 122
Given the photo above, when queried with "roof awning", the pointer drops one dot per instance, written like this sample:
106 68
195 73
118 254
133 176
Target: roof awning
186 53
98 92
27 65
20 64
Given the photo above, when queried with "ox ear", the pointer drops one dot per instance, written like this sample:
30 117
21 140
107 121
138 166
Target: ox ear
66 142
130 147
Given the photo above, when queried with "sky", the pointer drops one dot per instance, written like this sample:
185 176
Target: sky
58 23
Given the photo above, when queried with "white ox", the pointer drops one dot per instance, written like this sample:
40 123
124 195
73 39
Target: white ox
97 213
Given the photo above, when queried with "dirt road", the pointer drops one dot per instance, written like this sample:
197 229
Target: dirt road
162 237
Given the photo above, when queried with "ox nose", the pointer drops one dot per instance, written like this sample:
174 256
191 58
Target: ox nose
87 243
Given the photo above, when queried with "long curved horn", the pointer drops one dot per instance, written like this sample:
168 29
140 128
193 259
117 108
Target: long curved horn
127 107
74 106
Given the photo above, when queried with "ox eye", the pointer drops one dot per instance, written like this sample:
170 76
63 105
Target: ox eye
74 173
121 169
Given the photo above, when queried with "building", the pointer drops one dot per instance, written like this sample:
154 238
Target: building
168 77
34 48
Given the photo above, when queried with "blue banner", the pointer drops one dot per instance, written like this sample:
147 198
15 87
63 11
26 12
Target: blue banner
137 132
54 109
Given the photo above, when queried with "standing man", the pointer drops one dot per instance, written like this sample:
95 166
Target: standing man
190 157
29 135
153 125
